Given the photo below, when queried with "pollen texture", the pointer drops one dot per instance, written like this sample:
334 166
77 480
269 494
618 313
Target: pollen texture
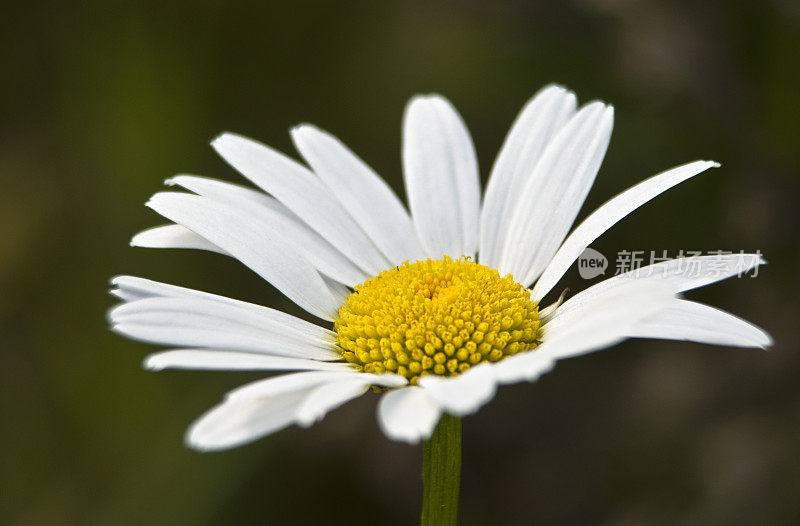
436 317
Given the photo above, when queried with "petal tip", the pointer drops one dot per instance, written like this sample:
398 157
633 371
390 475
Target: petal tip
136 240
427 98
221 137
152 363
225 141
302 128
116 280
554 86
193 442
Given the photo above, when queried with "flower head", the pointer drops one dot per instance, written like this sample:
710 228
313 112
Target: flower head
436 317
432 307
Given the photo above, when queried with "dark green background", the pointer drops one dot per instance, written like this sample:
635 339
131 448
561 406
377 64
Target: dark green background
101 101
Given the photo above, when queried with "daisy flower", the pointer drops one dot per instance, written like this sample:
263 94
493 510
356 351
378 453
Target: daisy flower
432 307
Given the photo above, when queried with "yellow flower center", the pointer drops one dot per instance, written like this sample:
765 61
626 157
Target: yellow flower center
436 317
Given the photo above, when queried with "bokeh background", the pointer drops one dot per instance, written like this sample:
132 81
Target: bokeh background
103 100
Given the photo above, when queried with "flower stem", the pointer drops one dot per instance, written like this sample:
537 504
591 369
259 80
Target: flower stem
441 474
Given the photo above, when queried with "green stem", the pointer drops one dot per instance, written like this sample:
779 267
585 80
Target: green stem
441 474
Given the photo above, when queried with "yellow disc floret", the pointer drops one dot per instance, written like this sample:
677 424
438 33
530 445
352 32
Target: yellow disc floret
436 317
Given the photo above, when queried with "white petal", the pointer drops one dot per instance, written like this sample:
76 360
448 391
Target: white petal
555 191
234 423
257 319
608 320
463 394
270 405
533 129
272 215
210 324
141 288
131 288
328 397
173 236
291 382
607 216
182 332
680 275
532 365
339 291
263 251
690 321
408 415
304 194
230 193
441 176
186 310
629 302
366 196
203 359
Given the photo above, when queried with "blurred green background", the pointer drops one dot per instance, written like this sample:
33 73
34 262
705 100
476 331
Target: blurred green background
103 100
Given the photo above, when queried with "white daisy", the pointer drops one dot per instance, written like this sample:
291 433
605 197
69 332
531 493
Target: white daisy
430 308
